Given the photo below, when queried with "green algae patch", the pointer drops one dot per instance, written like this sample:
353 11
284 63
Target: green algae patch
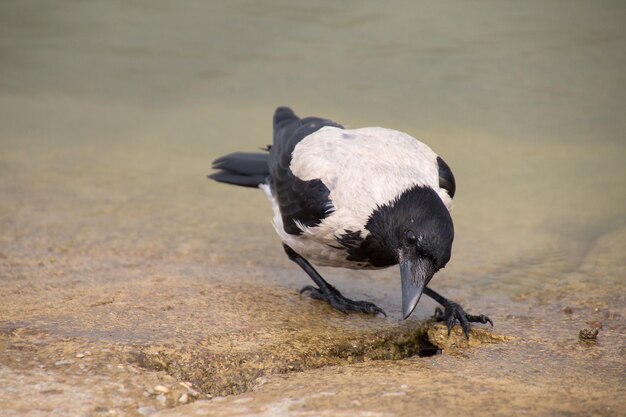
218 373
437 334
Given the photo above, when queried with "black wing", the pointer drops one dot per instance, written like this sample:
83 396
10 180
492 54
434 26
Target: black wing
306 202
446 178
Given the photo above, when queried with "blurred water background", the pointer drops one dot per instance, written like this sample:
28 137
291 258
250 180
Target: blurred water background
111 111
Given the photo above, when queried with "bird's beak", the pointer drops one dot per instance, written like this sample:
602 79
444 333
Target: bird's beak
415 274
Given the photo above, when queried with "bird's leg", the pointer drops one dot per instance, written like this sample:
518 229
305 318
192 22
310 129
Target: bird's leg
326 292
454 312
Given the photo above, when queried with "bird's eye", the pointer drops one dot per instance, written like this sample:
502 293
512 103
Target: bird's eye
411 239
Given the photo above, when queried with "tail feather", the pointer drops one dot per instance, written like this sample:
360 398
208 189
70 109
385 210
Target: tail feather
241 168
251 169
245 163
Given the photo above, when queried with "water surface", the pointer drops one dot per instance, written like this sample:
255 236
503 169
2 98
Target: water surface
112 112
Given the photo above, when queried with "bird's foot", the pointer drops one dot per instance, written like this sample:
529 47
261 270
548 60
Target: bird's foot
333 297
454 312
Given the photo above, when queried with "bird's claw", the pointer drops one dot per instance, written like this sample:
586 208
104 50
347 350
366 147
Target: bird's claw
336 300
454 312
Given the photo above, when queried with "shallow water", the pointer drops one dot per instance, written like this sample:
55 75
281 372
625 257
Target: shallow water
110 114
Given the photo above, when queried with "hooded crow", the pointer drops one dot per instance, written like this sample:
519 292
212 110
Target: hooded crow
363 198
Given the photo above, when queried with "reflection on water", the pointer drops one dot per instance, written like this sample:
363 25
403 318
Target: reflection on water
111 112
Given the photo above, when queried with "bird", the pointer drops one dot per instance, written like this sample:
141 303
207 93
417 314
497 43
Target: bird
366 198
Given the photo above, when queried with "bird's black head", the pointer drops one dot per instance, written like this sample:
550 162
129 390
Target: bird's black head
416 231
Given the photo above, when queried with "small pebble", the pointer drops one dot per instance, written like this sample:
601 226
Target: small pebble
161 399
568 310
260 381
161 388
183 398
394 394
146 411
64 362
80 355
588 334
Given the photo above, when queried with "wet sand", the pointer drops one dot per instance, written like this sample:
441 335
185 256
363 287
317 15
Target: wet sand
124 272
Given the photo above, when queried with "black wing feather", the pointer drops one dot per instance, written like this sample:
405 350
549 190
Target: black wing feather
446 178
306 202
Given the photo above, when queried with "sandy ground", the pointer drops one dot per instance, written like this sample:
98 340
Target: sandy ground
137 340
